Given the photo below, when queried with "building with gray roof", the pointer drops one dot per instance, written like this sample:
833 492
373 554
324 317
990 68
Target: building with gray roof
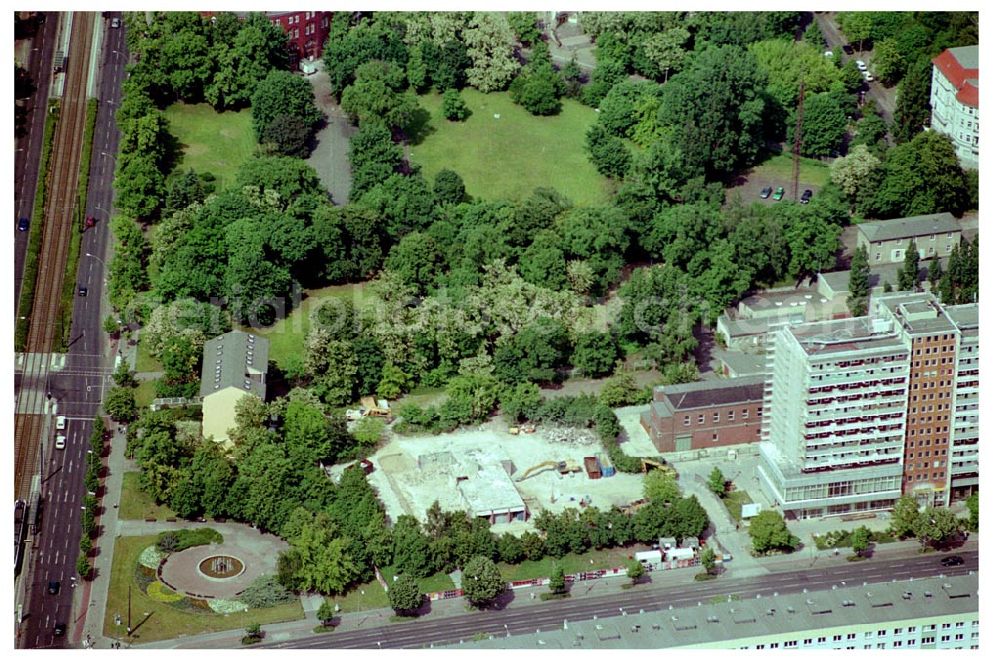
887 240
234 364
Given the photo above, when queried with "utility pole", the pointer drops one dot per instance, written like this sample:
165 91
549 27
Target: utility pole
128 625
798 143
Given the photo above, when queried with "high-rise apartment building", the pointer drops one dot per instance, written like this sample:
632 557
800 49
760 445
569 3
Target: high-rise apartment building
859 411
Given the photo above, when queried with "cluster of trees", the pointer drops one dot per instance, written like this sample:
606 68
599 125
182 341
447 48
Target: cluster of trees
933 526
769 533
182 56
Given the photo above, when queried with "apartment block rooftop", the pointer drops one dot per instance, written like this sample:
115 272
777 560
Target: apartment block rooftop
919 314
845 335
800 613
965 316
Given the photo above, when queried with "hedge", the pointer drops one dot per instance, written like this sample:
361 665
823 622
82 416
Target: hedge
27 298
64 321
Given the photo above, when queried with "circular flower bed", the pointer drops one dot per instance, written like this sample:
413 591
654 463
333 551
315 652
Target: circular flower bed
151 557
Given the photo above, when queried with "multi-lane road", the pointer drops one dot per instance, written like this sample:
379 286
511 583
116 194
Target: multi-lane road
547 617
77 389
28 148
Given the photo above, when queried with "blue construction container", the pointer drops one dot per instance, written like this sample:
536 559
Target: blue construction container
608 470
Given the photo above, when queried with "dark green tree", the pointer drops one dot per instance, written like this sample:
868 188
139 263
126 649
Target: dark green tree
904 516
119 404
934 273
324 613
404 595
416 260
972 504
769 532
607 152
921 177
635 571
913 102
717 482
557 581
449 188
861 539
708 560
373 157
595 354
538 87
824 123
482 582
908 277
379 94
859 283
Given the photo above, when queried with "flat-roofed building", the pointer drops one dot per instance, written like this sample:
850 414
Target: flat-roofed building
964 452
702 415
921 614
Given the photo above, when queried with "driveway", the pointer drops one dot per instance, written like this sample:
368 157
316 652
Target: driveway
885 99
329 157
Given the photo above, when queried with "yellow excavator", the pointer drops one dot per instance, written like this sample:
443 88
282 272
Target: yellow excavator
561 466
660 465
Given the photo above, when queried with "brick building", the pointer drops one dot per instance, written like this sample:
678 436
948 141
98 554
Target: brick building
702 415
307 32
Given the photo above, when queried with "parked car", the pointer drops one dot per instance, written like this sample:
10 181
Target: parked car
766 192
116 22
806 196
22 224
952 561
60 423
778 193
828 54
59 629
868 77
60 442
861 65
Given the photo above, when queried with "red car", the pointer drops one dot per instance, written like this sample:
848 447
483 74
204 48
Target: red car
90 222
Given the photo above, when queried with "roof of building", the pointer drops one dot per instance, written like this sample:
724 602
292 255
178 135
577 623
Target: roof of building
728 391
779 299
919 313
844 335
235 359
490 490
909 227
758 325
741 364
817 611
879 275
965 316
960 65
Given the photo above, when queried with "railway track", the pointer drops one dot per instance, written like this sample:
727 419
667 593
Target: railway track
66 153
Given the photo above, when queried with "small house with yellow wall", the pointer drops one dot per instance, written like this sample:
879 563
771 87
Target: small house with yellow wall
234 365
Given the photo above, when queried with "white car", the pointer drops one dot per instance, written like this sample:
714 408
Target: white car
861 65
828 54
61 442
868 77
60 423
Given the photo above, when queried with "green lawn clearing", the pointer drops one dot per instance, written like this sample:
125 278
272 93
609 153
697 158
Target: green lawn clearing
155 620
288 335
375 597
509 156
143 361
734 501
592 560
210 141
137 505
779 169
145 393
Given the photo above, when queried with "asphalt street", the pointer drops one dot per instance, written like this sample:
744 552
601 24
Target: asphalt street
78 389
28 148
550 616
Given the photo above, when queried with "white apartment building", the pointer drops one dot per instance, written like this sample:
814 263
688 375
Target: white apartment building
834 423
955 100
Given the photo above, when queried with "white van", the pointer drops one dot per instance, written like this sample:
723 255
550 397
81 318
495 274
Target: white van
60 423
61 442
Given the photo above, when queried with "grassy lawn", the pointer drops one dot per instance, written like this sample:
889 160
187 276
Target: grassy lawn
137 505
165 621
143 361
287 336
572 563
145 393
215 142
511 156
779 168
374 596
734 501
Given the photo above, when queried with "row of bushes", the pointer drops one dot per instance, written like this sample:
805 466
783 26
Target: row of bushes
177 540
64 321
92 483
27 298
842 538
